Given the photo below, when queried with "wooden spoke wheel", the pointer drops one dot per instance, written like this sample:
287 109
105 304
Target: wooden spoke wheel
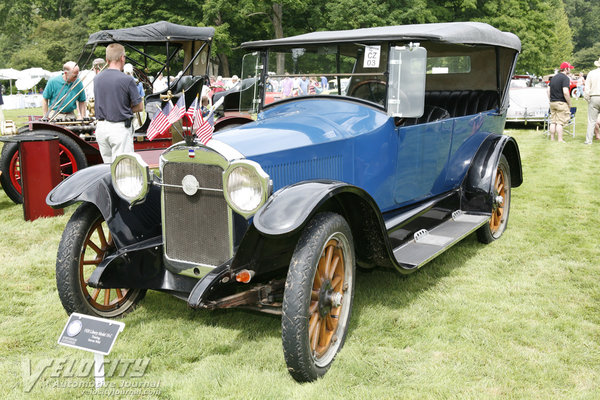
498 211
318 297
86 242
326 299
97 245
500 204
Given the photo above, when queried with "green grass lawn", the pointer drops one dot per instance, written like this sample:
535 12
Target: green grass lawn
515 319
20 116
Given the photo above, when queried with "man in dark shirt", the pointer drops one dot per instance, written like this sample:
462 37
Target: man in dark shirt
560 101
117 98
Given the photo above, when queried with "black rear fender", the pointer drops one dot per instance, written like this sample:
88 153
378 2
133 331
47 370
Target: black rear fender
478 184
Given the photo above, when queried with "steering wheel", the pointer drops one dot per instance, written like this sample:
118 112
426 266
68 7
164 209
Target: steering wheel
371 90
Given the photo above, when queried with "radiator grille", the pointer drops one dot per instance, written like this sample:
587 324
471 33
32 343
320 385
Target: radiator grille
196 228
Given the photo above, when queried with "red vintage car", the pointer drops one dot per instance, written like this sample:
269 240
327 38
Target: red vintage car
78 146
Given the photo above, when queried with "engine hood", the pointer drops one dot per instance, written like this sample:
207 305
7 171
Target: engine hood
301 123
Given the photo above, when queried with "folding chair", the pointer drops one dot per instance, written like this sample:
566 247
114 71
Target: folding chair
569 128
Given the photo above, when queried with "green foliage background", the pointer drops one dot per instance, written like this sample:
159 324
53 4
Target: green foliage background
46 33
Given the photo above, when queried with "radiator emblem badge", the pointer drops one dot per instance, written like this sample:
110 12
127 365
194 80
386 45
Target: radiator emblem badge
190 185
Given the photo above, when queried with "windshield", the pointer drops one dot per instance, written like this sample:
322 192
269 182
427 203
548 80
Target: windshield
351 69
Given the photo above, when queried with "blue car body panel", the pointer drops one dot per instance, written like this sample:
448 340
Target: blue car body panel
354 143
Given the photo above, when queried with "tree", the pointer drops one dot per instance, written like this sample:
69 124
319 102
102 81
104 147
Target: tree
49 46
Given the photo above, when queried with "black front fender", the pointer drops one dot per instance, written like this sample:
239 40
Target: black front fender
277 224
291 207
128 225
91 184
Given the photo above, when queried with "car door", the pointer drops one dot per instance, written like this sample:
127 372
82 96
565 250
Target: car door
423 152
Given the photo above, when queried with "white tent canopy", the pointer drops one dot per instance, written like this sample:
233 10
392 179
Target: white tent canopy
9 74
27 83
36 73
27 78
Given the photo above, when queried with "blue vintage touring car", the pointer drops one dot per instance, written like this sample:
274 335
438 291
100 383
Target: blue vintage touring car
399 160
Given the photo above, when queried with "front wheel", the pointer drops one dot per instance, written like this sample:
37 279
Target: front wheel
85 242
318 296
501 204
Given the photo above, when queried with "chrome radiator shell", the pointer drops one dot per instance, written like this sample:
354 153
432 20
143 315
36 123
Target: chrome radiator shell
197 229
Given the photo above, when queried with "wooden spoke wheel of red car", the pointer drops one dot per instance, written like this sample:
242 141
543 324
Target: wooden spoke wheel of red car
500 204
318 296
86 242
71 158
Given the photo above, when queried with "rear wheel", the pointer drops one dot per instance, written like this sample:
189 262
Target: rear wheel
85 243
72 159
501 204
318 296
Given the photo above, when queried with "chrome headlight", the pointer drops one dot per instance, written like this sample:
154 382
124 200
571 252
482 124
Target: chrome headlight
130 177
246 187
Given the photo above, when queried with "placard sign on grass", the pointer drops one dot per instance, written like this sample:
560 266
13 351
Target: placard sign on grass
89 333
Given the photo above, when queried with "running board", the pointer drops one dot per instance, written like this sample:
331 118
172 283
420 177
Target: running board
426 245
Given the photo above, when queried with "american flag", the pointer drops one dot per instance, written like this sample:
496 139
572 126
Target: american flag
204 129
160 123
192 110
178 111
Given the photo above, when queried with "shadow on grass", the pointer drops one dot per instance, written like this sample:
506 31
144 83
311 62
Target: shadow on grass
251 325
385 287
5 202
535 126
394 290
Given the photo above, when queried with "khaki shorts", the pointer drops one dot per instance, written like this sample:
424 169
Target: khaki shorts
559 113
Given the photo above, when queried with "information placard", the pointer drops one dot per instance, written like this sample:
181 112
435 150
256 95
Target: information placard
372 55
90 333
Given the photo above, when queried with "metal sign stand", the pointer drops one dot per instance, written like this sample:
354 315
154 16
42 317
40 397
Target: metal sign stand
99 369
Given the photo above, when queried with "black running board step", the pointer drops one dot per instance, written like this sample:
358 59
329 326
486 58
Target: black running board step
426 245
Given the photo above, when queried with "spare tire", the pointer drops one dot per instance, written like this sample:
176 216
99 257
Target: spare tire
72 159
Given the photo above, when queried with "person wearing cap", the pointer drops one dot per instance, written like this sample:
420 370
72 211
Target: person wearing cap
592 96
128 69
87 78
560 101
64 93
117 98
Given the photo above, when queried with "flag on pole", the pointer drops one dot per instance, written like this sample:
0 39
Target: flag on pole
160 123
178 111
189 114
204 126
204 129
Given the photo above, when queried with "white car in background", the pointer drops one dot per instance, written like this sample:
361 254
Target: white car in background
527 104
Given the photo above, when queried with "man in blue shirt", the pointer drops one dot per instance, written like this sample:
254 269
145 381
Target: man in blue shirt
64 93
116 99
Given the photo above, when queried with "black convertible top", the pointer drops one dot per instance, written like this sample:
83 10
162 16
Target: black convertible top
158 32
450 32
